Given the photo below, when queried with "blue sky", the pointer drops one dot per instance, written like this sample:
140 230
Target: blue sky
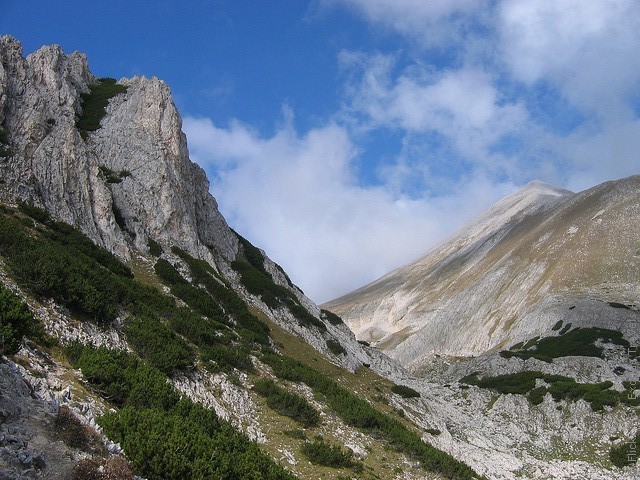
346 137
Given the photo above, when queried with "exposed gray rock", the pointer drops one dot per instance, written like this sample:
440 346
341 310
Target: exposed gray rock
539 256
163 196
166 197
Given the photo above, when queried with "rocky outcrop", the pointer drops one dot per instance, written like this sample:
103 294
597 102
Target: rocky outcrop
126 182
165 196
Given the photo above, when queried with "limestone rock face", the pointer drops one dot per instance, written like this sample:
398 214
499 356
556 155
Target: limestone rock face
165 196
127 181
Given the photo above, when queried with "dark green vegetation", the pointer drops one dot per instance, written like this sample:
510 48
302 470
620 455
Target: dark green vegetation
404 391
95 102
165 436
287 403
154 247
358 413
113 177
331 317
158 344
5 149
577 342
229 332
53 260
16 322
619 305
323 453
560 388
335 347
258 281
565 329
626 454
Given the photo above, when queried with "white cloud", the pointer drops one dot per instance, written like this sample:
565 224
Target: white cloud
472 129
432 23
588 49
462 107
297 198
585 52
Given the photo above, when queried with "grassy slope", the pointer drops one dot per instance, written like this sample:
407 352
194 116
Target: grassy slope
381 462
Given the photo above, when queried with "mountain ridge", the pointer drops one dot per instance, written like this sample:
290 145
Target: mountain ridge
199 335
489 246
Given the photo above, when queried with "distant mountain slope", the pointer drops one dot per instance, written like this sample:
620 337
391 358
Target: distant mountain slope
509 275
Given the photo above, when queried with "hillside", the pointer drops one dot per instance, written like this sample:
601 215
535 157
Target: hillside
153 339
539 256
142 337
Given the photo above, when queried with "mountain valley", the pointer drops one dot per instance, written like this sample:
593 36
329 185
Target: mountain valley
142 337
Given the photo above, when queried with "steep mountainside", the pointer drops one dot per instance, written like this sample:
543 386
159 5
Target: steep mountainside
141 336
538 256
123 179
130 312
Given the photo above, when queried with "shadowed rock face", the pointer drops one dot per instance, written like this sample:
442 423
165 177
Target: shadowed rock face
165 196
509 275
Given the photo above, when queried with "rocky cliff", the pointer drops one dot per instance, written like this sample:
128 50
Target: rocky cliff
164 196
126 182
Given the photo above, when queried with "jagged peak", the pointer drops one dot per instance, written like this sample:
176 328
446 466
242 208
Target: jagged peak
7 42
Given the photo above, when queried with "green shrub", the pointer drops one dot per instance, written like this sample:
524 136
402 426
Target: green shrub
95 102
578 342
252 255
259 282
565 329
168 273
199 330
335 347
625 454
247 325
323 453
357 412
187 441
560 387
331 317
63 264
4 140
5 149
287 403
109 175
158 344
619 305
225 357
536 395
166 437
71 238
155 248
16 321
404 391
37 213
121 378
